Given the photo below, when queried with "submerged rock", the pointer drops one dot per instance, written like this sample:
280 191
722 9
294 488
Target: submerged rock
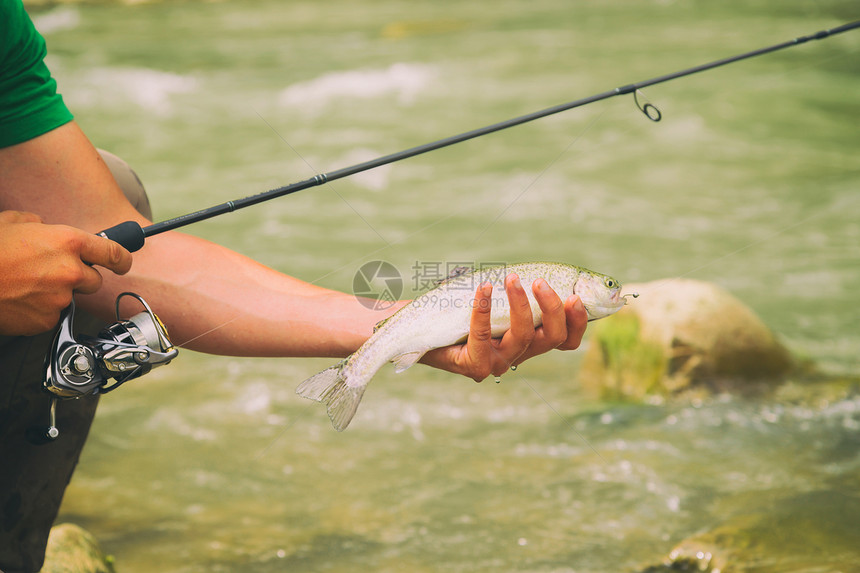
72 549
682 335
806 532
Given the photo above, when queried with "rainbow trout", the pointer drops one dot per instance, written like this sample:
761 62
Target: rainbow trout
440 317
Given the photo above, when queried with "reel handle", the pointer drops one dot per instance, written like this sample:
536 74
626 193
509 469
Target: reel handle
129 234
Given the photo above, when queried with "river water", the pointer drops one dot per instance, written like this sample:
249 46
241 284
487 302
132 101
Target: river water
749 181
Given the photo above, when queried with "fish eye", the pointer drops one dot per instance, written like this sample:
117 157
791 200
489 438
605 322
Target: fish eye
610 283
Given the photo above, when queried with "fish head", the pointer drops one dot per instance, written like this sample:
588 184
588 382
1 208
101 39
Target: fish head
601 294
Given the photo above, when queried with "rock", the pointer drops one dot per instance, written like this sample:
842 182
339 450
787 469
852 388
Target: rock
681 335
806 532
72 549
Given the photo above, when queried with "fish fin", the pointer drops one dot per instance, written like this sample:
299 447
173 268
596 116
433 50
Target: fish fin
407 360
455 272
331 388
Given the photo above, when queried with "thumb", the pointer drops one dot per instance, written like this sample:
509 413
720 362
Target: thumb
105 253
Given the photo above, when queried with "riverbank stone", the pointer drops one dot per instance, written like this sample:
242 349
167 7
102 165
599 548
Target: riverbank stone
72 549
811 524
681 336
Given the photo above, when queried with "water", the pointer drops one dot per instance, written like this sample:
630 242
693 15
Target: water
749 181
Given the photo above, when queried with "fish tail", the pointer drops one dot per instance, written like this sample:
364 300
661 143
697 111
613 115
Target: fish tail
331 388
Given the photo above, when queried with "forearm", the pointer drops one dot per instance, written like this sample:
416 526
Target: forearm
233 305
210 298
215 300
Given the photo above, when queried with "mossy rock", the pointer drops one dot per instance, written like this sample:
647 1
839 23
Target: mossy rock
806 532
72 549
681 335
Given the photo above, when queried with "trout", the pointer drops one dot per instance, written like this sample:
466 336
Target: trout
440 317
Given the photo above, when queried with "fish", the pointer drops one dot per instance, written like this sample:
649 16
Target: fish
441 317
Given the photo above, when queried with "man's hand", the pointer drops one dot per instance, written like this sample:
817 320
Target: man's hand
41 266
563 325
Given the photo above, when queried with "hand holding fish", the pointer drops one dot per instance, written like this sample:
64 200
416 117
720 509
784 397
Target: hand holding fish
499 330
563 325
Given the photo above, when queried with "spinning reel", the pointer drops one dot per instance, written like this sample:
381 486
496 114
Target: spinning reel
124 350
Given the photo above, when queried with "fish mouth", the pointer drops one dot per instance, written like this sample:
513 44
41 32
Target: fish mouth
602 308
617 300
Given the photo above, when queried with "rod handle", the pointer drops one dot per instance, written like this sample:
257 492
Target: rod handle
129 234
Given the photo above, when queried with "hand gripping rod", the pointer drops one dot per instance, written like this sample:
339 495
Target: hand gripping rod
132 236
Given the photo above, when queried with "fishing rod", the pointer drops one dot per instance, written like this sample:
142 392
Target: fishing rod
129 348
132 236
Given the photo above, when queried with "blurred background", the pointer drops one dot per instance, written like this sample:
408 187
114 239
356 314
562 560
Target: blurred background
749 181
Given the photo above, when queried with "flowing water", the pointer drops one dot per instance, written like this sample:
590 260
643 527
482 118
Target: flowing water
749 181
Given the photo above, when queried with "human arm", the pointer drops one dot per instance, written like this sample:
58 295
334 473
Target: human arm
218 301
212 299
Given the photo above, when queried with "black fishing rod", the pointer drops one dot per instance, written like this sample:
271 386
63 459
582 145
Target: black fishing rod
132 236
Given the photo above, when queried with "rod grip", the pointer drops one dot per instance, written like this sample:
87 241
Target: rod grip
129 234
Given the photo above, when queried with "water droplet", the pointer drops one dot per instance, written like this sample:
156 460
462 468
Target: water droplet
514 368
498 379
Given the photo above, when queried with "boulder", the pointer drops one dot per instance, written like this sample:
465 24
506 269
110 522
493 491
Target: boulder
681 335
810 531
72 549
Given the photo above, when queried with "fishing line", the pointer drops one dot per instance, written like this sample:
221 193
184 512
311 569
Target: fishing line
306 162
132 236
380 249
185 343
664 282
539 175
457 212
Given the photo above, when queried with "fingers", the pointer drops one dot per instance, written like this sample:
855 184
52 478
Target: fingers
577 320
563 326
553 331
563 323
95 250
105 253
481 355
522 321
83 250
44 265
496 356
516 341
479 348
88 281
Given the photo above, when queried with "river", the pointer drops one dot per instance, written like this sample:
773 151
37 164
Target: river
749 181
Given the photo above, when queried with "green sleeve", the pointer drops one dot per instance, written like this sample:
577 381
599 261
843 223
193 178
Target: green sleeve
29 102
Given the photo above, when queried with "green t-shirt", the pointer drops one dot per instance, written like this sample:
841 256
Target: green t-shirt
29 102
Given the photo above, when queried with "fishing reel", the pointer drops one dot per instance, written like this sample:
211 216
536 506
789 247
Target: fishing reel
126 349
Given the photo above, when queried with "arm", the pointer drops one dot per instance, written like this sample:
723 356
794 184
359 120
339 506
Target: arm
217 301
211 299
